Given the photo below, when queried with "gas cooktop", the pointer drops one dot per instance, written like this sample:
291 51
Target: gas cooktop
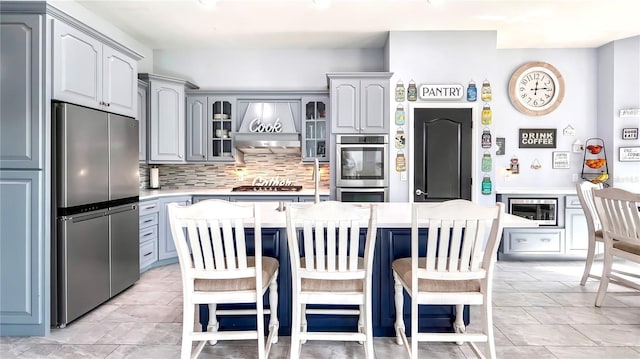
267 189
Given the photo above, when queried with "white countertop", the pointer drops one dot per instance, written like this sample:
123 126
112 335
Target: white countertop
155 193
536 190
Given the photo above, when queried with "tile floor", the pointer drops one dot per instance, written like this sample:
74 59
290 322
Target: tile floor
540 311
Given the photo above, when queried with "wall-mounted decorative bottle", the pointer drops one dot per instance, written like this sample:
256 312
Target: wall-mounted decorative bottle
400 139
401 162
486 114
400 91
486 185
486 162
485 92
400 115
472 92
486 138
412 91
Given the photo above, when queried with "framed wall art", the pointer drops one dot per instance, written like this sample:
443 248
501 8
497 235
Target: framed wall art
561 159
629 154
537 138
629 133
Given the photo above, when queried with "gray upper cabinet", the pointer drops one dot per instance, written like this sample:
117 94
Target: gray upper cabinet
142 120
89 73
359 102
166 113
21 112
197 128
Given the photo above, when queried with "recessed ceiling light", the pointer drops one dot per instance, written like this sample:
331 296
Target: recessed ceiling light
211 4
322 4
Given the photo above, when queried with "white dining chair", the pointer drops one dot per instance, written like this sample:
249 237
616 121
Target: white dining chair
452 265
331 266
619 213
218 266
584 190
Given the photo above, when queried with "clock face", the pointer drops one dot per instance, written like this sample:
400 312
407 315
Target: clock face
536 88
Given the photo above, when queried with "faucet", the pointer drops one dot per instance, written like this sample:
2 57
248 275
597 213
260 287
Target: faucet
316 181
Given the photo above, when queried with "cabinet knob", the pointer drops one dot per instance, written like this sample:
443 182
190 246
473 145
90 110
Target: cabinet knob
179 156
108 104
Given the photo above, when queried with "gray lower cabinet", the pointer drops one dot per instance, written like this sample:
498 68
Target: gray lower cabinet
149 218
533 241
359 102
22 245
575 224
166 248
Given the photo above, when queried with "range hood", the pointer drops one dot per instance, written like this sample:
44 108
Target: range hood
267 127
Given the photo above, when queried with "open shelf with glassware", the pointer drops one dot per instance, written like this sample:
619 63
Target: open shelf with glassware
221 120
594 162
315 125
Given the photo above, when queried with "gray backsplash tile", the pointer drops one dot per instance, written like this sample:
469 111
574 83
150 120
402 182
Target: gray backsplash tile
227 175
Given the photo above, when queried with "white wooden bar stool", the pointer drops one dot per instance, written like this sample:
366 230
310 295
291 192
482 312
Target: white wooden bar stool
331 265
453 266
218 268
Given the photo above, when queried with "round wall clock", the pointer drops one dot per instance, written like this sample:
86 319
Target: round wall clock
536 88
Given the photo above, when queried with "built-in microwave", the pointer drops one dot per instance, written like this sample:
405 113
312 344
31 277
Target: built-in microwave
362 161
543 211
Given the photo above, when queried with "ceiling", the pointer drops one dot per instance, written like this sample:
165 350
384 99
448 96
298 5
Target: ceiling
188 24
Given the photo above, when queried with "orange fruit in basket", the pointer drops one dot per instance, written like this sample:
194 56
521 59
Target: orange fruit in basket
595 163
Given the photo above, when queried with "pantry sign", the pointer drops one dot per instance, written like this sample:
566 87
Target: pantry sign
537 138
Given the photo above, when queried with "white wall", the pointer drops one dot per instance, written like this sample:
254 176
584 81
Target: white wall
625 73
457 57
94 21
255 69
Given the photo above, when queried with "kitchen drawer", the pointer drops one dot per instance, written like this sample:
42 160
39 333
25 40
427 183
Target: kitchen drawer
534 241
148 253
572 202
148 234
148 220
149 207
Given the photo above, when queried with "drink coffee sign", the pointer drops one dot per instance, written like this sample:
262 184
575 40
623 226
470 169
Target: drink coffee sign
537 138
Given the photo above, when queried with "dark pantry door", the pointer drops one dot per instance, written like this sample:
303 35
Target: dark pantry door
442 152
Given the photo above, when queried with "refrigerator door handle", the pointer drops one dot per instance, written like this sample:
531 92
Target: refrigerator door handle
123 209
83 217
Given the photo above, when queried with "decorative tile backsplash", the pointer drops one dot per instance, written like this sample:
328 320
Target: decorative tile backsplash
228 175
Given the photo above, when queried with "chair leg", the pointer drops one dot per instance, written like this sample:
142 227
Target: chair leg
368 321
361 321
604 280
213 324
274 323
458 324
591 251
303 321
487 322
414 328
260 328
188 317
399 298
294 351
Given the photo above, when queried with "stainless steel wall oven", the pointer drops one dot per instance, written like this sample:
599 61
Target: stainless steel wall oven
362 167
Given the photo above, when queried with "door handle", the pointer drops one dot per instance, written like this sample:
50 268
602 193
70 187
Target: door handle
420 192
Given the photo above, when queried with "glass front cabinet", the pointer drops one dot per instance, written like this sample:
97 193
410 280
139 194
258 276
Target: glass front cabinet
222 113
315 128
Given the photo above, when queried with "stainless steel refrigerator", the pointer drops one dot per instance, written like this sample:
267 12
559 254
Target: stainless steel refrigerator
95 245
